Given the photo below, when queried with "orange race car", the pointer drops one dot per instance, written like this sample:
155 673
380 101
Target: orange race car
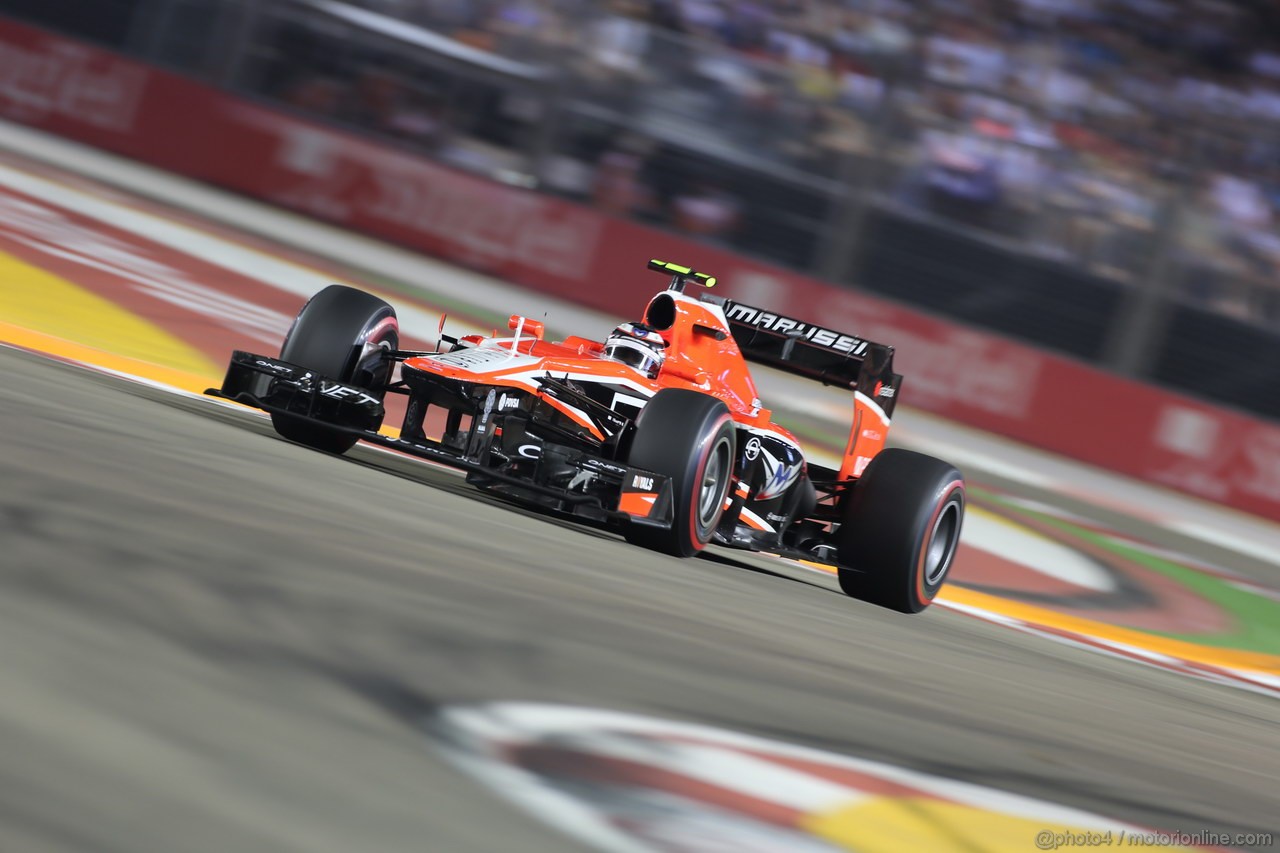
657 431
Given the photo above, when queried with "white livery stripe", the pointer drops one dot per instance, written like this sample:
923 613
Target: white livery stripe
873 405
764 525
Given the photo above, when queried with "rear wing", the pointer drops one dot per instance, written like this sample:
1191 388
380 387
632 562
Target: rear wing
814 352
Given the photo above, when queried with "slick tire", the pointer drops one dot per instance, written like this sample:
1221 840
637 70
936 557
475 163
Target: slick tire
900 530
347 335
689 437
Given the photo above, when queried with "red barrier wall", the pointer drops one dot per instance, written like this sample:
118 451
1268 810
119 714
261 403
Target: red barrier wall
109 101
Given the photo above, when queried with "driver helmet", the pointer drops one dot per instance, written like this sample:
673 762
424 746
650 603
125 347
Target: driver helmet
638 346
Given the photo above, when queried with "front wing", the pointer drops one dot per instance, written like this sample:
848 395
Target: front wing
596 487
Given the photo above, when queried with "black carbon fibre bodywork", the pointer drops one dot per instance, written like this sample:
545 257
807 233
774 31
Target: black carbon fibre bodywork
508 444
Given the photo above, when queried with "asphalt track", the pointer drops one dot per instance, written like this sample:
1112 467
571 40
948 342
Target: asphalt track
214 640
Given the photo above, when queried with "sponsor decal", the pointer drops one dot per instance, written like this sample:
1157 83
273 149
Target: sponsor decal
957 369
278 369
644 484
1187 431
345 392
471 220
1262 464
782 463
872 435
603 466
530 451
490 399
1195 451
814 334
752 449
508 401
489 224
69 81
860 464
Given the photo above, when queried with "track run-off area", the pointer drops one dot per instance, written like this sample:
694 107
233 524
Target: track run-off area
214 639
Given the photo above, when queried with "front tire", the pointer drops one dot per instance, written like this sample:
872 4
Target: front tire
900 530
347 335
688 437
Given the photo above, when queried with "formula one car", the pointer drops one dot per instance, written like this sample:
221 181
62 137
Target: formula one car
657 431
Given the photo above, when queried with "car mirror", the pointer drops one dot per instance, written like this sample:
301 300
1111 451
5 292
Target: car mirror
534 328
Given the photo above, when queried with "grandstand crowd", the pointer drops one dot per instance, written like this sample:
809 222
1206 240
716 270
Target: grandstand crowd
1104 132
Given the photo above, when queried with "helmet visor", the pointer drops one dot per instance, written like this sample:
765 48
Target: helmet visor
633 353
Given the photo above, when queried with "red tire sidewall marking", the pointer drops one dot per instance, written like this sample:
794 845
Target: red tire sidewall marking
948 491
375 334
708 446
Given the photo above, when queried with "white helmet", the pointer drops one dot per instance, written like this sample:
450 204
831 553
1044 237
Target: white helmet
638 346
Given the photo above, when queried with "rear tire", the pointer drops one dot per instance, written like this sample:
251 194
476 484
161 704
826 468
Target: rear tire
900 530
343 334
688 437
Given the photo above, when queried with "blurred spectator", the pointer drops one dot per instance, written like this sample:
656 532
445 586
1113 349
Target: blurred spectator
1057 126
373 101
961 178
419 119
315 95
1239 203
616 43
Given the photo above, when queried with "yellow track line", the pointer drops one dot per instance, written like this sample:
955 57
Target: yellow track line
1260 662
63 348
1181 649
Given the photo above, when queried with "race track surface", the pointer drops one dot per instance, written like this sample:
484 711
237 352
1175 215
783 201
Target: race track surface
214 640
